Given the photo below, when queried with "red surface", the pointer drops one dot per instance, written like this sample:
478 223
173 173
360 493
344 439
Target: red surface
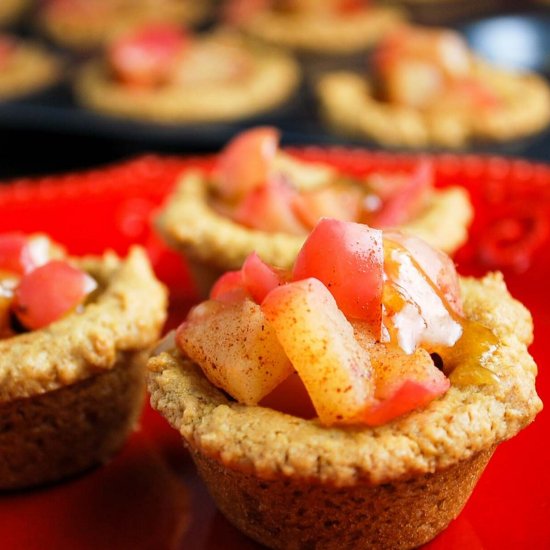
149 496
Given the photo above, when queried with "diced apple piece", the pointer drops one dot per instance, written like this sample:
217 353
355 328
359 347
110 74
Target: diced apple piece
305 176
229 283
49 292
269 208
146 56
342 202
348 258
245 163
259 278
319 341
402 195
236 349
403 382
290 397
439 267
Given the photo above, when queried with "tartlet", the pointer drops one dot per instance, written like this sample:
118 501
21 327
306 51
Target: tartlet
457 100
87 24
11 10
207 78
291 482
26 67
72 391
214 242
335 27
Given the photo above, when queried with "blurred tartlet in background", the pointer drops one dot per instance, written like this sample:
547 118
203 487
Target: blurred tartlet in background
162 73
446 11
86 24
25 67
323 33
427 88
261 198
11 10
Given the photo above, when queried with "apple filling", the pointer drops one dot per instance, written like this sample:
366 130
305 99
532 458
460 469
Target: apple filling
37 285
259 186
161 54
429 68
365 327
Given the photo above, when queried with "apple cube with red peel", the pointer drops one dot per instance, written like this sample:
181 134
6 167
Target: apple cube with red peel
348 259
246 161
145 57
270 208
49 292
403 382
236 348
319 341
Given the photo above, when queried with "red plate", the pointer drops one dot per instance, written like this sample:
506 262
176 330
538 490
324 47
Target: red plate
149 495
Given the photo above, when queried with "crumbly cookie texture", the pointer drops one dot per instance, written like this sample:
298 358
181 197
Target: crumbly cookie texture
272 79
189 224
271 445
337 35
349 106
126 316
84 33
31 69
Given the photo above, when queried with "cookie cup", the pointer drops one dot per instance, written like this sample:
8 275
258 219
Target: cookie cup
11 10
292 483
349 107
71 393
83 32
213 243
274 76
32 69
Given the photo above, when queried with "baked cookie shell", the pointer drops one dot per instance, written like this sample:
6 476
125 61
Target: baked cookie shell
33 69
11 10
214 243
273 79
86 33
88 342
64 432
334 36
434 454
348 106
71 392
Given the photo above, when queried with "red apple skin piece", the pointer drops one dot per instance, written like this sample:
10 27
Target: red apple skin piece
348 258
259 279
229 282
403 201
290 397
49 292
269 208
328 202
320 343
146 57
15 254
403 382
245 162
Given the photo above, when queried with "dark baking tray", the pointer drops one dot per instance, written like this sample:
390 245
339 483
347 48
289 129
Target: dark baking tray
62 135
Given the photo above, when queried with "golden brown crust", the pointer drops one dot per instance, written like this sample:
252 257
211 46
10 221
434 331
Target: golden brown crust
31 69
348 106
272 445
189 224
127 316
400 515
61 433
82 33
10 10
337 35
271 80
